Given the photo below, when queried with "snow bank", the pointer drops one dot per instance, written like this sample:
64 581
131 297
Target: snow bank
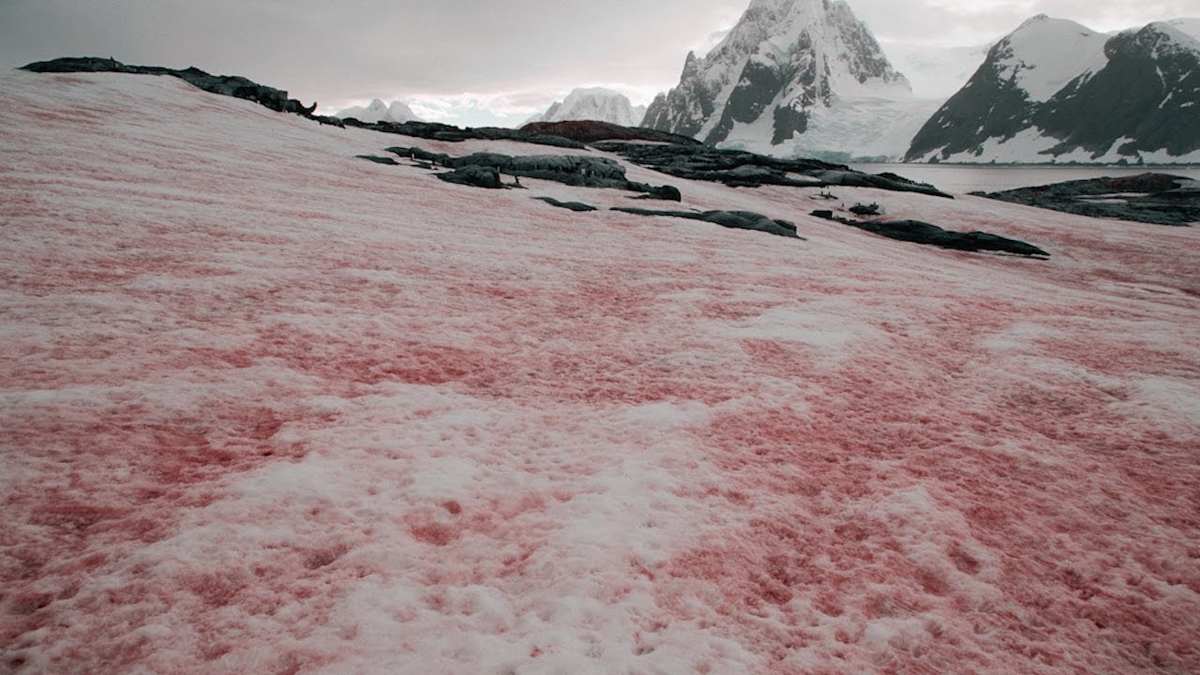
270 408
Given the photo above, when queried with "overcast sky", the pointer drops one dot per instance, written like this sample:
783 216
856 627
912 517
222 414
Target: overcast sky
476 61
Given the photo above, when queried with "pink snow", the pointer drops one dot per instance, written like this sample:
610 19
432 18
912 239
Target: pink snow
268 408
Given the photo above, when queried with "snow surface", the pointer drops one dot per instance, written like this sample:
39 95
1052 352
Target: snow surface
1189 26
594 103
268 408
1047 54
878 128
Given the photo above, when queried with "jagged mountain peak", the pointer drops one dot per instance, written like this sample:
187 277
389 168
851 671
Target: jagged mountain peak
593 103
774 73
378 111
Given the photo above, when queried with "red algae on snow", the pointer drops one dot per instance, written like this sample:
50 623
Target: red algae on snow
267 408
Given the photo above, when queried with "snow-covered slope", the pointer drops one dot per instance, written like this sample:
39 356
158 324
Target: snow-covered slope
269 408
378 111
784 71
1188 26
936 72
595 103
1055 90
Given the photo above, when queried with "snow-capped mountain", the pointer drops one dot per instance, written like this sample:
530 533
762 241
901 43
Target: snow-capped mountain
792 76
595 103
378 111
1056 90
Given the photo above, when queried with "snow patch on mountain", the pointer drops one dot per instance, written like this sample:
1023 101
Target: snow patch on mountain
596 104
1186 25
378 111
1045 54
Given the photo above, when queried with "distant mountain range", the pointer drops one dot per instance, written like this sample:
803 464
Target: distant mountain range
806 77
1054 90
597 104
378 111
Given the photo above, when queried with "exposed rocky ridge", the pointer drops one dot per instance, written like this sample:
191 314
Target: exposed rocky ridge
578 207
783 60
737 168
919 232
225 85
277 99
1135 98
451 134
591 131
1148 198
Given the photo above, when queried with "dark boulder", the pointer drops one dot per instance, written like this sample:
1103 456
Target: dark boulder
738 220
578 207
417 154
474 176
379 160
919 232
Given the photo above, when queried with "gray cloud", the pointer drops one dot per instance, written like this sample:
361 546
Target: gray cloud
522 52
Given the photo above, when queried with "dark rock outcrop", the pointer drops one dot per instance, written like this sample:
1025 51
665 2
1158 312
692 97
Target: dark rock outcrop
1148 198
578 207
919 232
379 160
592 132
225 85
452 134
738 220
737 168
575 170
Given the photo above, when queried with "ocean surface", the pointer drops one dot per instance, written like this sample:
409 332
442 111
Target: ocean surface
958 179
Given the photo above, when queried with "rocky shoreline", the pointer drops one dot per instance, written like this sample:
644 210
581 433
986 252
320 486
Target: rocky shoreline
1156 198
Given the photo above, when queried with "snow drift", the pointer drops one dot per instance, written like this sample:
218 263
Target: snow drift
270 408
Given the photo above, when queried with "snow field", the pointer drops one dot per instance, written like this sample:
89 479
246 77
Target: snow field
271 408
